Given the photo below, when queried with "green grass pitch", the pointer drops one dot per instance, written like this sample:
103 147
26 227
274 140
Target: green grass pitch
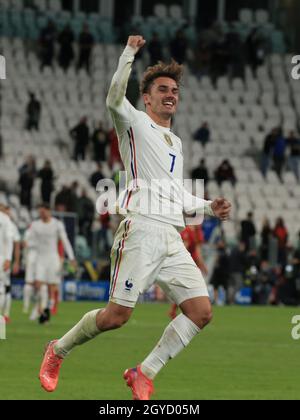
246 353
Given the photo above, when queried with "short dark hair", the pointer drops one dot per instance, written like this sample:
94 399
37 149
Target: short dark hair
44 206
173 71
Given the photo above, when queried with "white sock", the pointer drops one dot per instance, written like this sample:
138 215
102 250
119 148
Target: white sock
84 331
178 334
43 297
34 313
28 292
7 306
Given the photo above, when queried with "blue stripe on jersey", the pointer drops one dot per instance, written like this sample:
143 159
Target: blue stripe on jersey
132 165
133 157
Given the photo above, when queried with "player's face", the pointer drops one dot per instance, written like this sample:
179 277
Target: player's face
44 213
163 97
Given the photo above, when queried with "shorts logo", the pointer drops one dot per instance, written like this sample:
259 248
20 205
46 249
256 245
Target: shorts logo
129 285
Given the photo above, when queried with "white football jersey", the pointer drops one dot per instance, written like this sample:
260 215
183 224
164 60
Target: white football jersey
31 251
6 237
16 233
151 154
44 237
29 239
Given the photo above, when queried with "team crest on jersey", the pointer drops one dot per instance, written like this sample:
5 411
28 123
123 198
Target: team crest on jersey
168 140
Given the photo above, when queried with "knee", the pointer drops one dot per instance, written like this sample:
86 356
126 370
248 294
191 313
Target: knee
206 318
201 318
118 322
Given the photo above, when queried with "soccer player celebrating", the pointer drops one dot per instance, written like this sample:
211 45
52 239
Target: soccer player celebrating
16 263
148 247
45 235
30 270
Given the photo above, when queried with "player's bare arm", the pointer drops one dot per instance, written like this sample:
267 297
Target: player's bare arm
117 91
6 265
17 258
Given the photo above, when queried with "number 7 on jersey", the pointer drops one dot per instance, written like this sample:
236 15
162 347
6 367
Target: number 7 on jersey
173 162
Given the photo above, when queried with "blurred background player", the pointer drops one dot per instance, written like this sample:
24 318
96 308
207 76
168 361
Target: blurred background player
16 263
30 272
192 237
45 235
6 254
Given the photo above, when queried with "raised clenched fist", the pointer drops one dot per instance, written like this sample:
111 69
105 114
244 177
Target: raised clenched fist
137 42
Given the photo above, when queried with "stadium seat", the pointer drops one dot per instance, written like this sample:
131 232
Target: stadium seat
284 99
17 5
278 43
41 5
238 85
160 11
290 179
246 16
223 85
175 12
191 34
261 17
55 5
206 83
272 178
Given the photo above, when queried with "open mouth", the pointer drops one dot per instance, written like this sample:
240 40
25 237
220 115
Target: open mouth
168 104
